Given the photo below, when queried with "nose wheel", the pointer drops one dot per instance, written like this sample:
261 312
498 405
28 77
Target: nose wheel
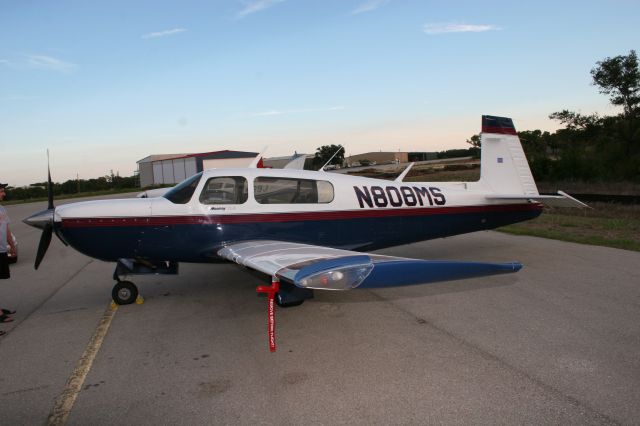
124 292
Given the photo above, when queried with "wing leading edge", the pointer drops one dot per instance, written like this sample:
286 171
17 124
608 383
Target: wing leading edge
323 268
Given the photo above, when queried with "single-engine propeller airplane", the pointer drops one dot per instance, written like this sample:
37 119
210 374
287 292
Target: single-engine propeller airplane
308 230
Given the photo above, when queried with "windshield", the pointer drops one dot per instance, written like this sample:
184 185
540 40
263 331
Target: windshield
182 192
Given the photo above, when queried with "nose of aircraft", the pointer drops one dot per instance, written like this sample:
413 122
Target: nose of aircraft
41 219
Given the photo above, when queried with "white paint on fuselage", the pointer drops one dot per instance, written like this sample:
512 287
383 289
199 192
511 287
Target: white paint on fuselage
457 194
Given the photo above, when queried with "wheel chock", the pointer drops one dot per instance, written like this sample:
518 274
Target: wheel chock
139 300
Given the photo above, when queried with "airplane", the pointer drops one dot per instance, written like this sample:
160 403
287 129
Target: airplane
307 230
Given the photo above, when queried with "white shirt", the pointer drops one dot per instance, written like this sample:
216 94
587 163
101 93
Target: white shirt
4 222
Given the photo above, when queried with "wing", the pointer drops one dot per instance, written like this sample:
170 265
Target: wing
323 268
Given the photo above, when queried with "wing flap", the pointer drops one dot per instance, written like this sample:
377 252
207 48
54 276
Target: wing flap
270 256
323 268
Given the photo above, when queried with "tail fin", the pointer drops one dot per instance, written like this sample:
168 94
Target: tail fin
503 166
504 169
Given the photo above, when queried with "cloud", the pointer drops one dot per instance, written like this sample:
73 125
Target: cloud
369 6
294 111
49 63
440 28
254 6
164 33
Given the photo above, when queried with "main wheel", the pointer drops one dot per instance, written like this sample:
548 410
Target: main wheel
124 292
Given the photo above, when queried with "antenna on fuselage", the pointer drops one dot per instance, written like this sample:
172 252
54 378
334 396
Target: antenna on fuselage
327 163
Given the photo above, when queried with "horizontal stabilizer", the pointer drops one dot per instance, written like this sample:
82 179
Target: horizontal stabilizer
324 268
404 172
561 200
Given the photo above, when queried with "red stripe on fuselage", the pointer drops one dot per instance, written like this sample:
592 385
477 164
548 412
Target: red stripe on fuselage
290 217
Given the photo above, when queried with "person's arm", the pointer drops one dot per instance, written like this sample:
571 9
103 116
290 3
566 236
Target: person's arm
12 247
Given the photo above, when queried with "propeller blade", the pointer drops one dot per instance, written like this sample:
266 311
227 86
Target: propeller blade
45 240
49 185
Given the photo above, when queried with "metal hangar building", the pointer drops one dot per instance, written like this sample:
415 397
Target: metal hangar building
169 169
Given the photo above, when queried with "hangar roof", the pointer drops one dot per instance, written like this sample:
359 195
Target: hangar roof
208 155
158 157
221 154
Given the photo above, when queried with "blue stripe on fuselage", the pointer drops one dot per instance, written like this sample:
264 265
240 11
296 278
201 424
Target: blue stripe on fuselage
200 242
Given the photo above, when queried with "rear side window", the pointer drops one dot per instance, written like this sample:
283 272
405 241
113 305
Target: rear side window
224 190
182 193
273 190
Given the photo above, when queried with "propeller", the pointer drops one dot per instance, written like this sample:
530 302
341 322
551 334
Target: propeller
45 240
44 220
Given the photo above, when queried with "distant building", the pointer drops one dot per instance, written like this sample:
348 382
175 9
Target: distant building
280 162
391 157
163 169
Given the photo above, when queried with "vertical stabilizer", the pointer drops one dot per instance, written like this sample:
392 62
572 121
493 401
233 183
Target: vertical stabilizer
503 166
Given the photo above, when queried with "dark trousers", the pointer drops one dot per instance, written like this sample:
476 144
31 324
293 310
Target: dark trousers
4 266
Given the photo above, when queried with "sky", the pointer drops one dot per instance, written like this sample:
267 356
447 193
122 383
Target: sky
102 85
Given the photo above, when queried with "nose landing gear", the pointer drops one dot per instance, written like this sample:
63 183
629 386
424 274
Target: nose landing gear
125 292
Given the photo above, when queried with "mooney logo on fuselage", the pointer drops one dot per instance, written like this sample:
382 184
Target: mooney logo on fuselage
378 196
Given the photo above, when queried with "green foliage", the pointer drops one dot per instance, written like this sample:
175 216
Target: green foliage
474 141
619 78
111 182
457 153
590 147
324 153
606 150
576 121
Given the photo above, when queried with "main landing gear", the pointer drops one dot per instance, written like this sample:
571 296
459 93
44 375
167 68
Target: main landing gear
284 295
126 292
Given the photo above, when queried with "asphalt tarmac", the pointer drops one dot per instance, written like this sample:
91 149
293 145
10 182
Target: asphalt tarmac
556 343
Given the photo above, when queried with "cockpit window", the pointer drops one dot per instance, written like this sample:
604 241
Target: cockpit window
225 190
274 190
182 192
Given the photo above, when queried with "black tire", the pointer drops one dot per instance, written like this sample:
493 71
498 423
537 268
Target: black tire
280 303
124 292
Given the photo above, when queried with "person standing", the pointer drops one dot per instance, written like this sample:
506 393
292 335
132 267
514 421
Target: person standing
6 245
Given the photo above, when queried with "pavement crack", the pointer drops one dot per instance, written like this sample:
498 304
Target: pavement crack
53 294
35 388
66 310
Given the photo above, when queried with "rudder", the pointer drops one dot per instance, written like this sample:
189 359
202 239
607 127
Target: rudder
503 165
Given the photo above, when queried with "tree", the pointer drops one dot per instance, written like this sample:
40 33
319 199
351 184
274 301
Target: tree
324 153
619 78
575 120
474 141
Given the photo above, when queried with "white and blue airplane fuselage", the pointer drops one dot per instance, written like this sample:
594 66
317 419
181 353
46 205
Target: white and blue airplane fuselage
353 213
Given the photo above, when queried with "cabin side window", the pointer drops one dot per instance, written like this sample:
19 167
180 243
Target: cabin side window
182 192
225 190
274 190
